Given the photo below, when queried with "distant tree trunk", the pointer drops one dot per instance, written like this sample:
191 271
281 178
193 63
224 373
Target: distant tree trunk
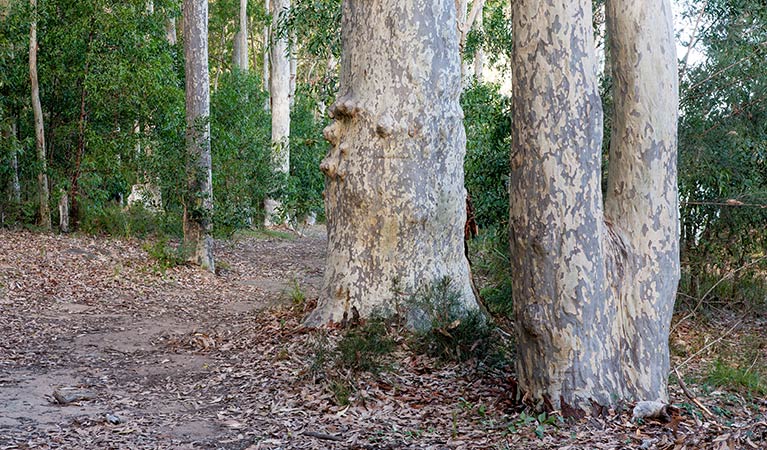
42 176
594 285
394 197
74 209
10 134
266 68
479 54
170 30
240 54
293 70
198 204
280 107
64 212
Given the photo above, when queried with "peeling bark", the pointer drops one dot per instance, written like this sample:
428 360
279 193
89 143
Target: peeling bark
198 206
280 107
594 286
394 192
44 212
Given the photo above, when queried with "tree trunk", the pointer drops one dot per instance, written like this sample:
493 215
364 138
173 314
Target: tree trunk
9 134
280 106
170 30
74 209
240 53
479 54
266 68
394 192
593 290
198 205
293 71
42 175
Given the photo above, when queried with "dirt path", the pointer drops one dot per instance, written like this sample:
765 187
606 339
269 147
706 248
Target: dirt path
97 317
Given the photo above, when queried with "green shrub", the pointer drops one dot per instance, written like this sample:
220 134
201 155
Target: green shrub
361 349
749 379
444 329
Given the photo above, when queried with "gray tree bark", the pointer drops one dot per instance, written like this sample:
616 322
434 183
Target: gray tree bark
198 206
594 286
394 191
43 192
280 107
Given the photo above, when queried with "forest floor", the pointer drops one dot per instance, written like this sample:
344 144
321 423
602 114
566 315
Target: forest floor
103 347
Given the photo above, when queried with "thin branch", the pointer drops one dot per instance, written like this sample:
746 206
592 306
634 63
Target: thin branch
707 346
693 39
711 289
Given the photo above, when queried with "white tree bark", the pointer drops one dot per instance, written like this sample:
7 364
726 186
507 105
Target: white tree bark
479 54
198 205
280 107
266 69
240 53
394 177
42 175
170 30
594 287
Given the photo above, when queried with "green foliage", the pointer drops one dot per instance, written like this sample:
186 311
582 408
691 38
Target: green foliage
722 143
303 193
449 332
164 256
113 220
749 380
240 148
540 423
488 140
361 349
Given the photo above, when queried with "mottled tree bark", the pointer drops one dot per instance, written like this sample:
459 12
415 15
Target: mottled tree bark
43 192
394 191
198 204
594 287
280 107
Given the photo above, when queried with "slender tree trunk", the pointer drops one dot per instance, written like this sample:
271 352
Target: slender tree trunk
241 39
10 134
170 30
42 176
479 54
280 107
74 208
593 288
394 192
266 66
198 204
293 70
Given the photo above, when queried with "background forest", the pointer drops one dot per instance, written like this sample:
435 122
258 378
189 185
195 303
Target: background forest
112 91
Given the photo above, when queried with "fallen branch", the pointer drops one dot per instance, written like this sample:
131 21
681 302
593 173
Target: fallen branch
323 436
693 398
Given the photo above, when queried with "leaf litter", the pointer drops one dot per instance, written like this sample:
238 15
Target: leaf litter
101 350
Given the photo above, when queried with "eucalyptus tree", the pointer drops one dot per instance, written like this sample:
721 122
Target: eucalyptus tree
394 177
279 89
44 211
594 282
198 204
240 51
